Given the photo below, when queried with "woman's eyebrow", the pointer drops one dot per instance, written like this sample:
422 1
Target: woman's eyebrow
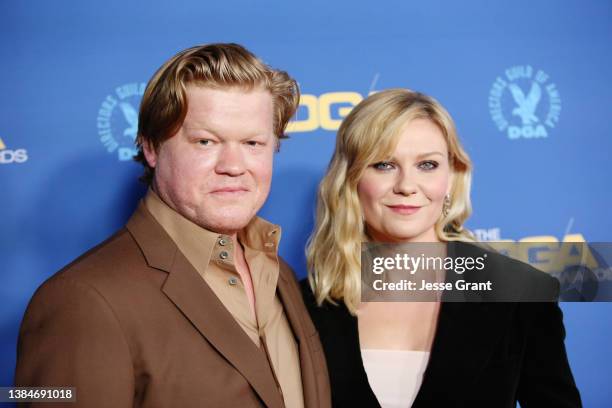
421 155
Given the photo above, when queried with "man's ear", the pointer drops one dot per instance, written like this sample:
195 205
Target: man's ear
149 153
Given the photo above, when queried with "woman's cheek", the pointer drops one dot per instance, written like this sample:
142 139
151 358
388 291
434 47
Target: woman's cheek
368 190
435 190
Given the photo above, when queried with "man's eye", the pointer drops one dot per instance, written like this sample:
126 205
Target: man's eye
383 165
204 142
428 165
253 143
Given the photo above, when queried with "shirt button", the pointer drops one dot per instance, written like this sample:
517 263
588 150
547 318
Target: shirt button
223 255
233 281
222 242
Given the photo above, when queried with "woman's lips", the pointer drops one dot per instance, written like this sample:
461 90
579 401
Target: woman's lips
404 209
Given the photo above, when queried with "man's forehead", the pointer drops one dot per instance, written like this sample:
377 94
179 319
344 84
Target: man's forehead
212 90
228 101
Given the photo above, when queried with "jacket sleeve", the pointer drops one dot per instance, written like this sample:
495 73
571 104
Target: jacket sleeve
70 337
546 379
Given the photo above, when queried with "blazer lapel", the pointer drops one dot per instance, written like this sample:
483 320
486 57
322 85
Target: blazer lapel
198 303
288 298
466 335
464 340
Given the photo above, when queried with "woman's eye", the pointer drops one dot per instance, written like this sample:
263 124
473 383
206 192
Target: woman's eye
383 166
253 143
428 165
204 142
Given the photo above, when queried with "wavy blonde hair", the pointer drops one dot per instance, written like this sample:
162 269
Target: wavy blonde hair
369 134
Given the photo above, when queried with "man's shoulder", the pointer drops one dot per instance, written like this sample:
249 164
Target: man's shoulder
112 275
117 260
286 271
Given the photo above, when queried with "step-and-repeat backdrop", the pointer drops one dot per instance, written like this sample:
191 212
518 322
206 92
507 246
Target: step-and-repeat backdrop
528 83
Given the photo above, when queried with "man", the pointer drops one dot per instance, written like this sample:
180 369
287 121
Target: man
189 305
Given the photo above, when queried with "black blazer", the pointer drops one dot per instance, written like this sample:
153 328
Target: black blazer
484 354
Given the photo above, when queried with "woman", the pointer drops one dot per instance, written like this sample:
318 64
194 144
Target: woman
399 174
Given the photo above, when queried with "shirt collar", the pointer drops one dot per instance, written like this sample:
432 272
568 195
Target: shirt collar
198 243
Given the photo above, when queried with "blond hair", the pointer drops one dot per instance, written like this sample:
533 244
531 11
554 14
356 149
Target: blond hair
164 103
367 135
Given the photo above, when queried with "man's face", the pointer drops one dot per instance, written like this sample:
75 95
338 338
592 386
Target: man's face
216 170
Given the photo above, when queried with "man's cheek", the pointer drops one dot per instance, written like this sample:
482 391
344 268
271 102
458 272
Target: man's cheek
264 173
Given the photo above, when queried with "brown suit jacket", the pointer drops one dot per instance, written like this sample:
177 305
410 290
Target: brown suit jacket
132 324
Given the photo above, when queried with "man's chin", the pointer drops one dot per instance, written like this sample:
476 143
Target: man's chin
231 197
227 224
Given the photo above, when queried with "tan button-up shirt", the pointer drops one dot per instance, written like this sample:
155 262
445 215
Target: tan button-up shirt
211 254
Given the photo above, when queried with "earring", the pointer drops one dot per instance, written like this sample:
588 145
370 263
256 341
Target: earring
446 205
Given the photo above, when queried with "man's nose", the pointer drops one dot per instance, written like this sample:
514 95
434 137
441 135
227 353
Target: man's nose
231 160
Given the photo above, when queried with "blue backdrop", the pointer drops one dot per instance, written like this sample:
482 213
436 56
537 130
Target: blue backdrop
527 81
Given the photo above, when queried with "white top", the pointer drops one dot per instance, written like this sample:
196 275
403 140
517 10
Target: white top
395 375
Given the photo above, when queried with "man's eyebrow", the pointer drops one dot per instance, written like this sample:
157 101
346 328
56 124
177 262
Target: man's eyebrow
196 128
195 132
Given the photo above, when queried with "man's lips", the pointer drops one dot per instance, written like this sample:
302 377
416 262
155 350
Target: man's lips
404 209
229 190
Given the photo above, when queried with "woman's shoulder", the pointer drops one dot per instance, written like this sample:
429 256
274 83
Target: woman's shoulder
306 291
517 279
327 313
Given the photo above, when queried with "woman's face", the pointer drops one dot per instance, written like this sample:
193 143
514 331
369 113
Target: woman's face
402 197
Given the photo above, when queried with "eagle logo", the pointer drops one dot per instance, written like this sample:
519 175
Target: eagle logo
131 117
117 120
526 105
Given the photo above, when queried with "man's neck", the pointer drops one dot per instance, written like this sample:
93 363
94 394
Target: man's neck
244 272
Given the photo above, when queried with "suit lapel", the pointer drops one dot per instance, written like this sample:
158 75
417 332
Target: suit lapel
198 303
288 298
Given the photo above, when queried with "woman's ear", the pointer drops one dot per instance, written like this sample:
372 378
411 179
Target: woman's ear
451 183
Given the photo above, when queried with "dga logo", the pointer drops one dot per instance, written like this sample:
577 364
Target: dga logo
8 156
524 103
325 111
118 120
